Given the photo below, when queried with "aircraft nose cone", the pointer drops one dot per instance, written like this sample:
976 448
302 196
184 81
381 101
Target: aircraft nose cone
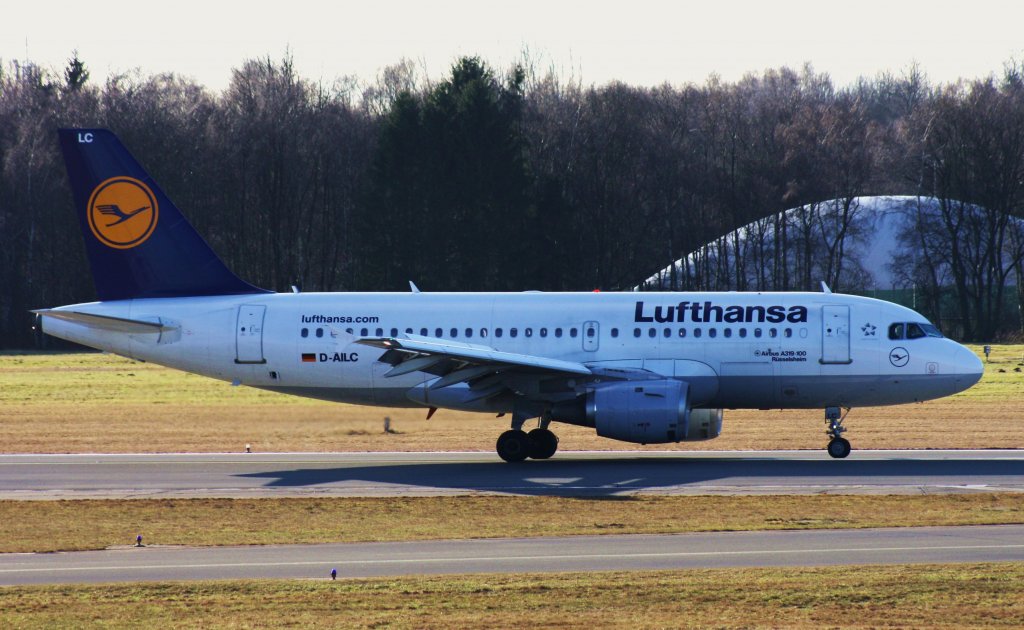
968 366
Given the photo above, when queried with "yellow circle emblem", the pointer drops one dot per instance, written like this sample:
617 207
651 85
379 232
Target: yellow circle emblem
122 212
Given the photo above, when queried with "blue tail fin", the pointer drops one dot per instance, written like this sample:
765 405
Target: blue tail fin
139 244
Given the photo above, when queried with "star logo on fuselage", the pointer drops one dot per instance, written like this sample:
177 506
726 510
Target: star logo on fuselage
868 330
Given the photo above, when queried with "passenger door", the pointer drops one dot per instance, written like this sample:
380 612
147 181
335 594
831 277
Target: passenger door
249 334
835 334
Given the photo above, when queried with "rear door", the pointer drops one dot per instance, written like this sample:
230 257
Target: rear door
249 334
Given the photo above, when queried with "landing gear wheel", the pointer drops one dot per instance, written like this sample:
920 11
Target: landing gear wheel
514 446
545 443
839 448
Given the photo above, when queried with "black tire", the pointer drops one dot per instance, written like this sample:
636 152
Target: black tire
513 446
545 443
839 448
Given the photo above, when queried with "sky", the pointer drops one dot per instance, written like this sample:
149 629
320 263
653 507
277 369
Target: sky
640 42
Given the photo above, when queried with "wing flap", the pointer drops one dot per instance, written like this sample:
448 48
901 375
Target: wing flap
471 354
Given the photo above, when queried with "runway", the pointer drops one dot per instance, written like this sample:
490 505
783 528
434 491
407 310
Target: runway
580 553
567 474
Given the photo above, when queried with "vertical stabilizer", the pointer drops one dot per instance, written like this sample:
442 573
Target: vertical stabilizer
138 243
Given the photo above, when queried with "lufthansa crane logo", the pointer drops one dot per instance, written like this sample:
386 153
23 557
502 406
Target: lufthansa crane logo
899 357
122 212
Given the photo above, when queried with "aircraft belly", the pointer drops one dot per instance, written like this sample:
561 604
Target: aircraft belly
382 397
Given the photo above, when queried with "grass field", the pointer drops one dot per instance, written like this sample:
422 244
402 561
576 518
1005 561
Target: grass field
933 596
91 402
43 526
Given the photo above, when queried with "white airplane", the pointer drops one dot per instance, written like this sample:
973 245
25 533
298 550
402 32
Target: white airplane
646 368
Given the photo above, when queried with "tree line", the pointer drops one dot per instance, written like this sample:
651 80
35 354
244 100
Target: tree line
520 178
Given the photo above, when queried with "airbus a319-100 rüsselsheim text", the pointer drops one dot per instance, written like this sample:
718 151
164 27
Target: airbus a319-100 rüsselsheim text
646 368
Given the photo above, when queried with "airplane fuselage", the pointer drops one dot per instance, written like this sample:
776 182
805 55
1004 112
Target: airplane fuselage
736 350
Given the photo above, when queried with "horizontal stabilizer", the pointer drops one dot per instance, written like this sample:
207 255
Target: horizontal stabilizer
106 322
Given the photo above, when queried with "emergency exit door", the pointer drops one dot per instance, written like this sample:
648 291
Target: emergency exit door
835 334
591 336
249 334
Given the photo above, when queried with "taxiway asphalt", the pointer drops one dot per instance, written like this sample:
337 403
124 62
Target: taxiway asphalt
577 553
567 474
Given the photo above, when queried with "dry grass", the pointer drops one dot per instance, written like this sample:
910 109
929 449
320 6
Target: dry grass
938 596
87 524
91 402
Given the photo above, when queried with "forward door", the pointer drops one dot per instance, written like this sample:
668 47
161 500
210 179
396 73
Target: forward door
835 334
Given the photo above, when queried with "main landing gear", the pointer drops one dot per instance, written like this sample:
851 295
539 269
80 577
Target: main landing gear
515 445
838 446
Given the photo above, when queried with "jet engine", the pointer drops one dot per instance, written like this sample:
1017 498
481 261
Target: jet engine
643 412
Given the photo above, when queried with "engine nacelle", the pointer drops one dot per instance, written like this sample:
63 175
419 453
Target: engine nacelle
643 412
704 424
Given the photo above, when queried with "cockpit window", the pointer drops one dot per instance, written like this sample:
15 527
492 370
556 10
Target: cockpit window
912 330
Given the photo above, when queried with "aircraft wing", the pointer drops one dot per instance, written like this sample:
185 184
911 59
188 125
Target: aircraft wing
457 362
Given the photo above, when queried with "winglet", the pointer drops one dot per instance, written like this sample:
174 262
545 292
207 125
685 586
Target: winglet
824 287
413 287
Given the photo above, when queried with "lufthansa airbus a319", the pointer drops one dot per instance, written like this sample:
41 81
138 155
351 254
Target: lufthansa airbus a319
647 368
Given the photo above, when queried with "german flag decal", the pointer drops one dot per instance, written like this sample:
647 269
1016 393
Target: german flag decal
308 357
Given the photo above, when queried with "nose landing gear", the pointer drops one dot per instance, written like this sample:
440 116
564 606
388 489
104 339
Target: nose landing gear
838 446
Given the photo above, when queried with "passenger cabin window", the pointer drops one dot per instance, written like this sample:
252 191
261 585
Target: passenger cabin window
636 332
573 332
363 332
558 332
483 332
651 333
513 332
423 332
682 333
469 332
757 333
743 332
543 332
615 332
727 332
305 333
696 332
408 331
591 332
454 333
666 333
712 332
528 332
394 332
498 332
772 332
438 332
